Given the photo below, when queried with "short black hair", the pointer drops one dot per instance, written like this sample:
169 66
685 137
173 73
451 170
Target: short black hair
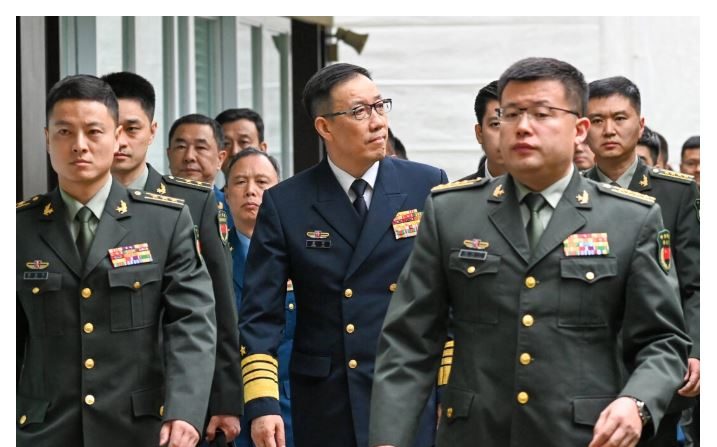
317 92
650 140
486 94
549 69
84 88
398 148
128 85
196 118
692 142
252 151
231 115
664 148
616 85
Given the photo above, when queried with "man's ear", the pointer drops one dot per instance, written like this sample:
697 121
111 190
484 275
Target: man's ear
479 133
323 127
153 131
581 130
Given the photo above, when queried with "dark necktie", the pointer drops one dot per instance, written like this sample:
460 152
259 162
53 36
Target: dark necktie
359 187
84 236
535 203
614 183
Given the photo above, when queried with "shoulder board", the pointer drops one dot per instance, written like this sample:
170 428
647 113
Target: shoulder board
181 181
671 175
460 184
150 197
626 194
29 203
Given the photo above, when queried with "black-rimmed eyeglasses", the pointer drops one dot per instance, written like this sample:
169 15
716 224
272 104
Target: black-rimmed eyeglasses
363 111
535 113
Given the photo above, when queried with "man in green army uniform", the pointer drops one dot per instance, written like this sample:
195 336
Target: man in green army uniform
614 111
101 270
136 99
544 271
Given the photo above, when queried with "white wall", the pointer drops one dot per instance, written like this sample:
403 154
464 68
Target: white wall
433 67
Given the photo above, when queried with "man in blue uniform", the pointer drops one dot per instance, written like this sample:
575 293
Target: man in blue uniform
341 231
249 173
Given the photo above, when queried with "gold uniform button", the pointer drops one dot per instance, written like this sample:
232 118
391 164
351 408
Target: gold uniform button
35 290
471 269
90 399
161 410
528 320
590 276
525 358
23 419
350 328
86 292
89 363
353 364
392 287
137 285
291 306
88 328
530 282
523 398
449 412
348 293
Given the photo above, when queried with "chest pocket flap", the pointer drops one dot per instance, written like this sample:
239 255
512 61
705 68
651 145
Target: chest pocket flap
134 277
473 267
588 268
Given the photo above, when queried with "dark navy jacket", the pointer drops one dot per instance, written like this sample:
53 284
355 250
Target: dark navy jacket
344 275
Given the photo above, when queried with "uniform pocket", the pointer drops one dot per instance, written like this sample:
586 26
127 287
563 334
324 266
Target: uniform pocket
477 278
41 293
586 410
134 296
310 365
29 410
148 402
585 284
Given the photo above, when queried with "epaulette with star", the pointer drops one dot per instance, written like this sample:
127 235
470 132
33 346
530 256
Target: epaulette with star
150 197
626 194
458 185
188 183
671 175
29 203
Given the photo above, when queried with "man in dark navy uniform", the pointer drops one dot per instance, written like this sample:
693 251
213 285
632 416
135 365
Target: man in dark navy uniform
341 231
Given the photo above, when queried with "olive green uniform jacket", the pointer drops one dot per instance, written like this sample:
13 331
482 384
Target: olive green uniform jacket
96 365
536 355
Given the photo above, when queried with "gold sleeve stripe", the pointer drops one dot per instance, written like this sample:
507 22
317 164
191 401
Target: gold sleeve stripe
259 374
446 361
443 374
258 365
259 358
449 344
262 387
448 352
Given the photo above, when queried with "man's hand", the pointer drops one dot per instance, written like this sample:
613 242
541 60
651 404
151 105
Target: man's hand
692 379
178 433
225 422
268 431
619 425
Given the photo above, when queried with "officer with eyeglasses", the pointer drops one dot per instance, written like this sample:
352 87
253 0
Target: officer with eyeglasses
341 231
543 272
